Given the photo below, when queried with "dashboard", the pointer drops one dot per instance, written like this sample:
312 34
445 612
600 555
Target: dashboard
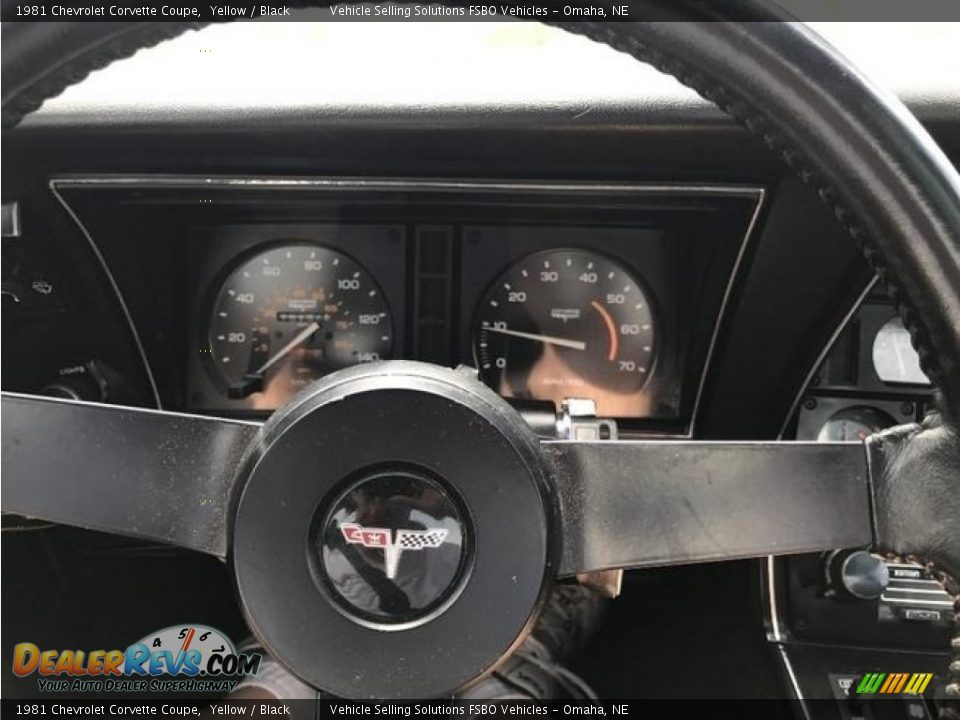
242 291
869 380
638 250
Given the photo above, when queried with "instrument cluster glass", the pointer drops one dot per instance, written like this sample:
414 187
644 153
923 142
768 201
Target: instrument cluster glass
894 358
291 314
568 323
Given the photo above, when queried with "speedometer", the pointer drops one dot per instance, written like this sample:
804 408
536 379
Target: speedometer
291 314
568 323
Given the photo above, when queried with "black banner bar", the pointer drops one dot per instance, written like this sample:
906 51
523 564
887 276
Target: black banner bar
323 709
482 10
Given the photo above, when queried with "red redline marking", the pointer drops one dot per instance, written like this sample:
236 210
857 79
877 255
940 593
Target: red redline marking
187 639
611 328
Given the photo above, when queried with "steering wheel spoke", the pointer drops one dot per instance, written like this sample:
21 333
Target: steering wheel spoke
645 503
129 471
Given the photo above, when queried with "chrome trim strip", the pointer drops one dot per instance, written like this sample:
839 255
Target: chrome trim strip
828 346
116 290
721 313
400 185
708 443
772 607
785 659
774 619
757 193
910 601
10 223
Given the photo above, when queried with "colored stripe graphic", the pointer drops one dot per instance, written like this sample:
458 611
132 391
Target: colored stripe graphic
894 683
870 682
918 683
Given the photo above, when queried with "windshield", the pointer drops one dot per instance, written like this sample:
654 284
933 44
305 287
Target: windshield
451 64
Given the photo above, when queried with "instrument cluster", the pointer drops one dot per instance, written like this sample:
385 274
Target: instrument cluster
612 293
555 324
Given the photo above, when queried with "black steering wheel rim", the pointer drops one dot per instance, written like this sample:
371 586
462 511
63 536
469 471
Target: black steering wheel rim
858 148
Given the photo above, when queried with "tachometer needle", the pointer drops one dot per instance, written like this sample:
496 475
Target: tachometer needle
548 339
300 337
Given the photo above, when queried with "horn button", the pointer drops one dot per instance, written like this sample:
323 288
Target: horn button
393 547
393 531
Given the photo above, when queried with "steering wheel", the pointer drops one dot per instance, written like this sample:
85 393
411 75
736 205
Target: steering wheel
395 475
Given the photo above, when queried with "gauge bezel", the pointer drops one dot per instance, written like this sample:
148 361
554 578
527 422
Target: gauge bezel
220 277
618 262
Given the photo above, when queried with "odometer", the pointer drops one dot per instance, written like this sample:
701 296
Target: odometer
291 314
568 323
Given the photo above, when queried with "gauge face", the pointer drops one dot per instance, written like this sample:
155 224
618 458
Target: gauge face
567 323
290 315
894 359
854 424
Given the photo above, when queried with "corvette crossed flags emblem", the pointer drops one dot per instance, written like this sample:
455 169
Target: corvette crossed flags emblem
391 545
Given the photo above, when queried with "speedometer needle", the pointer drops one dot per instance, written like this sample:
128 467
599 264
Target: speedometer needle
548 339
300 337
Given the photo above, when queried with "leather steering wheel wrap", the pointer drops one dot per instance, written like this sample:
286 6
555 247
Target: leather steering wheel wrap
857 148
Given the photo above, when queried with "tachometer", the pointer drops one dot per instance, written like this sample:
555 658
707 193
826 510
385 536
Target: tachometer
291 314
568 323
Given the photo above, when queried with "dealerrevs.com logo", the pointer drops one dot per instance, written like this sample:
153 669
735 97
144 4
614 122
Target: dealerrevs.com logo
181 658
